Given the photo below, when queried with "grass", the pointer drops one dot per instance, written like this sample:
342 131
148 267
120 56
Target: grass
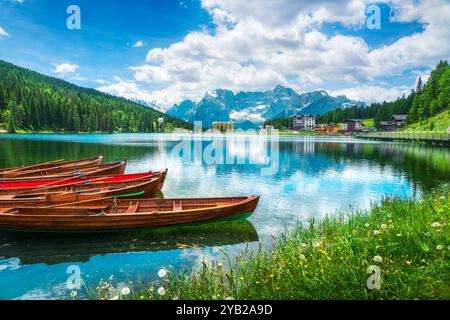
440 122
368 123
407 239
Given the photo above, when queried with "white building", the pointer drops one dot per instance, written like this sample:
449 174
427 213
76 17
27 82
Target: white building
267 129
304 123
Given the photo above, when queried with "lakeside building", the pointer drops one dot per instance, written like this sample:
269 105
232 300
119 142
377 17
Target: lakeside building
267 129
353 125
327 128
397 122
223 126
304 123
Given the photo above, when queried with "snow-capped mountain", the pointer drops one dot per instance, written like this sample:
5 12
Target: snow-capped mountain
153 105
248 109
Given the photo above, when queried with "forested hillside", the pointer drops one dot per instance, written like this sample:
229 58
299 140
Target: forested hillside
421 104
31 101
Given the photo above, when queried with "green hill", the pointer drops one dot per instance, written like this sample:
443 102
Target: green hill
440 122
30 101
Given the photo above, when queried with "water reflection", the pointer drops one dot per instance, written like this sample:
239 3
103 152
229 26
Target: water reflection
54 249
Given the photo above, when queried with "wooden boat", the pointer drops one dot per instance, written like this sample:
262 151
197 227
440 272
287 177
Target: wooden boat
91 170
125 215
39 187
37 168
136 188
52 249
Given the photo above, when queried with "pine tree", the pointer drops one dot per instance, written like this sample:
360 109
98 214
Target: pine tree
11 121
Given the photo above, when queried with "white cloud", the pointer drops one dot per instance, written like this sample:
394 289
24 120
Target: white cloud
79 78
126 89
101 81
138 44
259 44
372 93
3 33
246 115
65 68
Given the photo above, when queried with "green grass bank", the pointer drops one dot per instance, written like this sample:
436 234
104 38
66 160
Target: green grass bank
404 241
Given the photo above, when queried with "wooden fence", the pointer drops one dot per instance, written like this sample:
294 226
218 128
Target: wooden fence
436 136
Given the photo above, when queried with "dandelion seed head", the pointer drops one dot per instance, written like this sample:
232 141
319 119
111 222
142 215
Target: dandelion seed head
378 259
161 291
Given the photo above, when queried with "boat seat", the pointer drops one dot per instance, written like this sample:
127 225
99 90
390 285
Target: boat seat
177 206
7 197
133 208
5 210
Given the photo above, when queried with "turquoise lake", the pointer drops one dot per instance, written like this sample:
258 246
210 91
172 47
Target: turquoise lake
313 177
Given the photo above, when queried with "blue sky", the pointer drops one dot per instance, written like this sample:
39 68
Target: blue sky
166 51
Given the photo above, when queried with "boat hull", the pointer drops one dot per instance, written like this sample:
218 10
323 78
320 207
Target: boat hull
94 170
125 221
17 171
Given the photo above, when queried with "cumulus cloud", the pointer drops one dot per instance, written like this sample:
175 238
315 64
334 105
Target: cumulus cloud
65 68
3 33
256 45
126 89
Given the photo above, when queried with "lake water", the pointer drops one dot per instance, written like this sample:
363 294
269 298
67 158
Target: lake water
312 177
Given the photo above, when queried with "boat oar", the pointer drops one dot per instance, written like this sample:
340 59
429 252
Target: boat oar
96 199
78 202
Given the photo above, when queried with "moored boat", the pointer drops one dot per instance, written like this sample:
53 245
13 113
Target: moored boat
126 215
52 185
37 168
91 170
145 187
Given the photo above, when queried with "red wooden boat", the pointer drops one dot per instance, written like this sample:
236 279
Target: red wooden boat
63 173
125 215
42 167
22 189
135 188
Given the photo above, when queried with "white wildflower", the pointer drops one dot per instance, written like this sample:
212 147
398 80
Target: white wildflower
376 232
378 259
162 273
161 291
439 247
316 244
383 226
302 257
367 225
125 291
435 224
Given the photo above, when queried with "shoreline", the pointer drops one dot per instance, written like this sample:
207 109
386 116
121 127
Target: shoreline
403 242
